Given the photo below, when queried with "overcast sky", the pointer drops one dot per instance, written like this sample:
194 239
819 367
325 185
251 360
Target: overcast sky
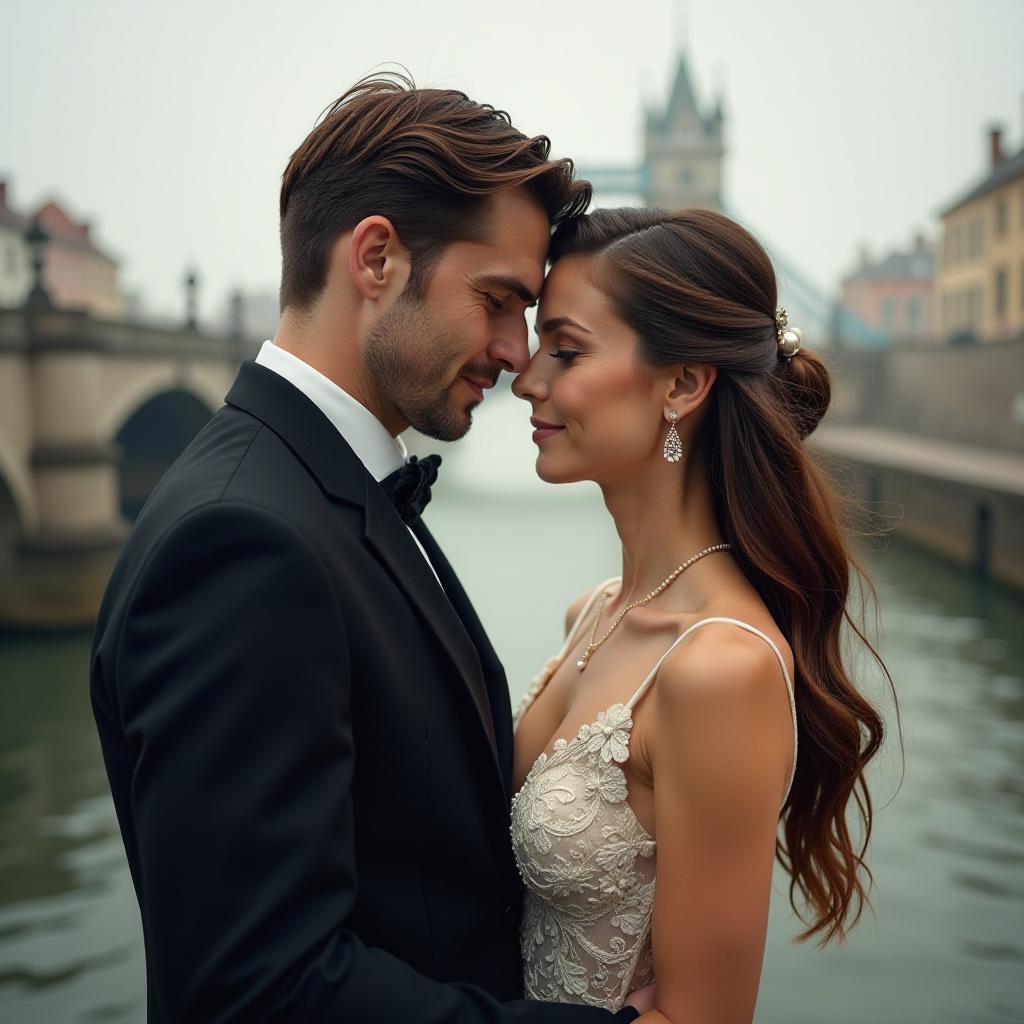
169 124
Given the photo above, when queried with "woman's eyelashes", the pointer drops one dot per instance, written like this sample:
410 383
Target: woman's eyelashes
567 355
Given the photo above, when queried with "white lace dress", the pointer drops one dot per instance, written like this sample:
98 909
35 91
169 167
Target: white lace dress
587 864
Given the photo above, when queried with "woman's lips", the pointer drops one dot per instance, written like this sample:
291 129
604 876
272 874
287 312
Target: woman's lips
544 430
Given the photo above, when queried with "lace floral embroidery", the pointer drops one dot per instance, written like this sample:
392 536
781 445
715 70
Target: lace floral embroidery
587 865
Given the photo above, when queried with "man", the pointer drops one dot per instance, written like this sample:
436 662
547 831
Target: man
307 733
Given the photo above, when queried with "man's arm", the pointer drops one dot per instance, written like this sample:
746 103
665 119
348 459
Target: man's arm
232 674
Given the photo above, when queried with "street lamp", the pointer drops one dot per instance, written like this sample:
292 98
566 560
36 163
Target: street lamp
37 239
191 287
237 315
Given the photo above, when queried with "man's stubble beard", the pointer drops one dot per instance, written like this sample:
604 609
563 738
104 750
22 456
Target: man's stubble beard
408 358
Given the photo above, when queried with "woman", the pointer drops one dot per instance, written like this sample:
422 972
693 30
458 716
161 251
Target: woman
657 752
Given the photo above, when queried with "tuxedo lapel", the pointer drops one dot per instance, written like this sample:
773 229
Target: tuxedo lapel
389 537
315 441
303 427
494 673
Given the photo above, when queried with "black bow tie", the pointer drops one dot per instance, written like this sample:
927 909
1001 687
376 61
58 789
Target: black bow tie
409 487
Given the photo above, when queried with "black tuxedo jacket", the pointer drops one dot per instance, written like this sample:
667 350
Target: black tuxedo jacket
308 742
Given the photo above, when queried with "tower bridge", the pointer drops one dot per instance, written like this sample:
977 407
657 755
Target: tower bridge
683 152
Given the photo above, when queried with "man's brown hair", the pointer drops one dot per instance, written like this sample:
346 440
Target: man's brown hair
427 159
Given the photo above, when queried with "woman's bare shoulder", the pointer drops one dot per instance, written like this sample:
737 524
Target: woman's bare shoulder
718 662
720 719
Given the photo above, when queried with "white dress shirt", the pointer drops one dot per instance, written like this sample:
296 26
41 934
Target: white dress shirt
373 445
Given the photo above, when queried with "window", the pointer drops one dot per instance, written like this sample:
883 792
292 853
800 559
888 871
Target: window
975 241
1002 218
914 324
999 295
888 314
974 297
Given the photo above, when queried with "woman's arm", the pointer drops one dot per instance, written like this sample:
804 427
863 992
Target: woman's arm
721 748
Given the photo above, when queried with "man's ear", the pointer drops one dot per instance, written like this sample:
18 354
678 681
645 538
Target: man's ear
377 261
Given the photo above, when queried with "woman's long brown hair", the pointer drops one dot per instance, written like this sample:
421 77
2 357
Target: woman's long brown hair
698 288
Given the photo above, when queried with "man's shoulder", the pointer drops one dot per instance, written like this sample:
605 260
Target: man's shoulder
235 467
235 459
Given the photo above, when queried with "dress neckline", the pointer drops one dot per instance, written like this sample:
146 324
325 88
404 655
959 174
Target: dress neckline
615 725
561 744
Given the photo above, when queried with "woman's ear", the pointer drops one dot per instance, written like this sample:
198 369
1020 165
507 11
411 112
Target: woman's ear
378 263
688 388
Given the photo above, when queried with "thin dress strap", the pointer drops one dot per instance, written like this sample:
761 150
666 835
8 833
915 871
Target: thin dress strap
646 684
551 665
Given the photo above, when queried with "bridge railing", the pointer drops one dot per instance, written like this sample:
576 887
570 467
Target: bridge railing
51 329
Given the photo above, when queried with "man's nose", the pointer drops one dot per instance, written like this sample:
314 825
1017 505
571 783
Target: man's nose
510 349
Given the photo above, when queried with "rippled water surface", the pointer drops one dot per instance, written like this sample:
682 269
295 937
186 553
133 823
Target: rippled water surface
944 944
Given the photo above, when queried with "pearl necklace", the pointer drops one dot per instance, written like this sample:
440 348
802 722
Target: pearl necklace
593 645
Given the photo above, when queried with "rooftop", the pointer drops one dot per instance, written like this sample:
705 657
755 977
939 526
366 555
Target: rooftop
1006 170
67 232
10 218
915 264
58 224
682 102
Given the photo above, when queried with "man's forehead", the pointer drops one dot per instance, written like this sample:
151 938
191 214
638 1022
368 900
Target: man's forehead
518 229
521 275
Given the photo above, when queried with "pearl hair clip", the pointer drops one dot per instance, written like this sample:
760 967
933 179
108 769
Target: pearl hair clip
788 337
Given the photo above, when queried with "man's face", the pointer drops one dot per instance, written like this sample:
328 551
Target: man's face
432 357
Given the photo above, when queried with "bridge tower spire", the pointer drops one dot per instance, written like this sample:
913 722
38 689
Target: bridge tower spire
681 26
683 143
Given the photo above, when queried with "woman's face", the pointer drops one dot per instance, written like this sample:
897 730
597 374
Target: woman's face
599 413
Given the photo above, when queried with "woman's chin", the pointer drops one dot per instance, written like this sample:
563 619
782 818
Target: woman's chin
554 471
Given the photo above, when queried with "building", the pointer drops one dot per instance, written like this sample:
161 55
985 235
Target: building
77 274
683 150
980 271
15 259
895 295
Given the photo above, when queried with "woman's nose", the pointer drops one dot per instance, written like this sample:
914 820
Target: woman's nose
530 384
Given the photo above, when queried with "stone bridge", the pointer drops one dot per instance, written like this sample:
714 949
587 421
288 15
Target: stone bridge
91 414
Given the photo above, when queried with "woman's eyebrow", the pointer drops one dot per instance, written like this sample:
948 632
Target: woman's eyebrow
562 321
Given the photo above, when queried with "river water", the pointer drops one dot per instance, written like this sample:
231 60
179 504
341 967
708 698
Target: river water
944 943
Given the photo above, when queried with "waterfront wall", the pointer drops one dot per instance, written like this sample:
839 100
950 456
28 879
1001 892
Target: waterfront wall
930 439
977 528
967 395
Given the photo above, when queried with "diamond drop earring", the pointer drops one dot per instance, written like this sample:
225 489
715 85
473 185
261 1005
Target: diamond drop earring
673 450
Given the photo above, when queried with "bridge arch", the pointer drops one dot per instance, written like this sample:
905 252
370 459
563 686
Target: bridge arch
132 383
151 438
11 525
15 489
